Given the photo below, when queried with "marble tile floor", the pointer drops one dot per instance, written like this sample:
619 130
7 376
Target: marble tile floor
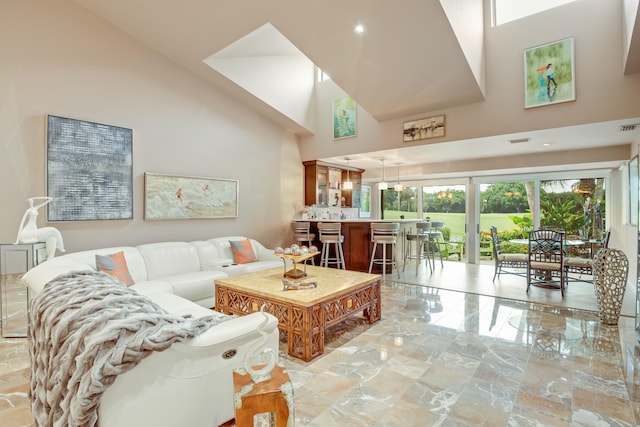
477 278
443 357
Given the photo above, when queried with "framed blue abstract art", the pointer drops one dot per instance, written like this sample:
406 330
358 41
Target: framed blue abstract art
89 170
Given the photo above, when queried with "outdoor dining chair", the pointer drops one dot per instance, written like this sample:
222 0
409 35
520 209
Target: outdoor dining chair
578 267
545 264
516 263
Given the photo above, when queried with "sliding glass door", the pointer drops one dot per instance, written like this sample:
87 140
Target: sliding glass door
400 204
447 204
575 205
573 201
508 206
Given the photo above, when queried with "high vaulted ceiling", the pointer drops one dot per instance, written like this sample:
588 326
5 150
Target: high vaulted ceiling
410 60
373 68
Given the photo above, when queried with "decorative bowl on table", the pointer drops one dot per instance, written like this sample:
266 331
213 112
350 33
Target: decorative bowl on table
296 254
297 258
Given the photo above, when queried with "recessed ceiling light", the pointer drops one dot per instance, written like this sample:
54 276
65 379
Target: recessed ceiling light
358 29
547 144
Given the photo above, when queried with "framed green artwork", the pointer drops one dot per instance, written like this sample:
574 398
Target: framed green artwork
549 74
344 118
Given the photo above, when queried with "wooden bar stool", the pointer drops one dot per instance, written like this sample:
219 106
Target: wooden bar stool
331 234
384 233
274 395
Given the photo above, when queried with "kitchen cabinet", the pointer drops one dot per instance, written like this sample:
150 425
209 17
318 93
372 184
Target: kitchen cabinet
352 197
323 184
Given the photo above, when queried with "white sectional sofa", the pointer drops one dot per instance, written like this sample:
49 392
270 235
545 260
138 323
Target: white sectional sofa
191 382
186 269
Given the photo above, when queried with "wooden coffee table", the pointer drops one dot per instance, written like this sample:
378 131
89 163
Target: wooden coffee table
303 315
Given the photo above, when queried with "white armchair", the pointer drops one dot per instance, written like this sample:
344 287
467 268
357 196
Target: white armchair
189 384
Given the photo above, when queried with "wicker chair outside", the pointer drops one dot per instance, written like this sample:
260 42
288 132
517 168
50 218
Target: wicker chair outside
577 267
514 261
546 260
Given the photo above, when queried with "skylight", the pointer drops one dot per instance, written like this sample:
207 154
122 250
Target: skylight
322 76
509 10
267 65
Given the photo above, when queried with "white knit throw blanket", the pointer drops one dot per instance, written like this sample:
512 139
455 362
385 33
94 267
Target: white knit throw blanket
85 329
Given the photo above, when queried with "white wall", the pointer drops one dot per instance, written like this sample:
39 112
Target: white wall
466 19
60 59
626 237
631 18
623 235
57 58
603 92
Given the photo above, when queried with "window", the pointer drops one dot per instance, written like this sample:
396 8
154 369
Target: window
397 203
574 205
509 10
446 203
506 206
322 76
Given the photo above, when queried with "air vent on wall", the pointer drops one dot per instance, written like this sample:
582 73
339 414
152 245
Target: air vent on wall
519 141
627 128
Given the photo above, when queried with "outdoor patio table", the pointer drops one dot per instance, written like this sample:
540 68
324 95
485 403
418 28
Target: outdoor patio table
566 242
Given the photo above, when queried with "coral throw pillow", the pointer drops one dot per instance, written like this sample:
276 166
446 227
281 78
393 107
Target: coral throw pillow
115 265
243 251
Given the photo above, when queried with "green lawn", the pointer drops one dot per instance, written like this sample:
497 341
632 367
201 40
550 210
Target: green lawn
455 221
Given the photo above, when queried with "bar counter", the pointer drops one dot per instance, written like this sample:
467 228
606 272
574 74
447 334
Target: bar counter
357 244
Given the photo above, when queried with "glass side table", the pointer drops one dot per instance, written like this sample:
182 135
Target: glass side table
15 260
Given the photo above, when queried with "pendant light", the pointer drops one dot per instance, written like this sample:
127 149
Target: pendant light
382 185
398 187
347 185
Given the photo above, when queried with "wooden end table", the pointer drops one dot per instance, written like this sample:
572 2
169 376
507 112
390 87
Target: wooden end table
274 396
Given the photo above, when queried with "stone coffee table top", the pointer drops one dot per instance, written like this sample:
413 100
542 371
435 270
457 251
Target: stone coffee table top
330 281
